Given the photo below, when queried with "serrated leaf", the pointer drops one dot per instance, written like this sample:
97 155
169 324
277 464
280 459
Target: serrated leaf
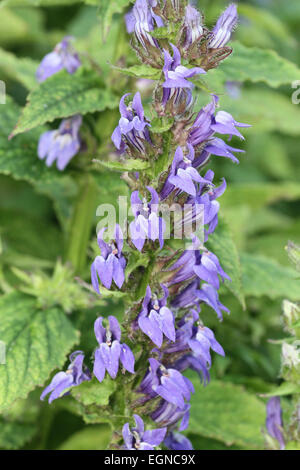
222 245
63 95
37 342
94 392
255 65
228 413
264 276
141 71
20 69
14 435
129 164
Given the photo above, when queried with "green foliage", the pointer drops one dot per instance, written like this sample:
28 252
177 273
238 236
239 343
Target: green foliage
222 245
262 276
228 413
64 95
37 342
254 65
14 435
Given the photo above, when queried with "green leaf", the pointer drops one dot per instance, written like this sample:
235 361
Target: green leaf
258 195
94 393
160 125
63 95
286 388
228 413
20 69
108 9
14 435
37 342
129 164
141 71
255 65
95 437
222 245
264 276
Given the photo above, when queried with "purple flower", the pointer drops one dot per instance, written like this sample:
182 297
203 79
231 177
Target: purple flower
168 383
61 145
209 295
110 350
111 264
176 441
176 74
274 422
136 438
183 175
192 25
167 414
62 57
147 224
226 124
132 129
205 203
156 319
207 268
142 21
63 381
224 27
203 130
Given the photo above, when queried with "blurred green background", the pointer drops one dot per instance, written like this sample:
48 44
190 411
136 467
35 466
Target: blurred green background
261 207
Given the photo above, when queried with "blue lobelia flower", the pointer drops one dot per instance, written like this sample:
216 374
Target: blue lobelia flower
142 21
176 76
209 295
136 438
176 441
221 33
62 144
63 381
156 319
132 129
110 350
147 224
192 26
183 175
110 265
168 383
274 422
62 57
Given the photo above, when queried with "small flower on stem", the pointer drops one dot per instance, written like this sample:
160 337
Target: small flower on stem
63 381
224 27
136 438
110 350
111 264
274 423
61 145
147 224
156 319
62 57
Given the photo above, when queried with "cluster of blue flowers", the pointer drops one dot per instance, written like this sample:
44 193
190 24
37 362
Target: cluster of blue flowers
169 311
